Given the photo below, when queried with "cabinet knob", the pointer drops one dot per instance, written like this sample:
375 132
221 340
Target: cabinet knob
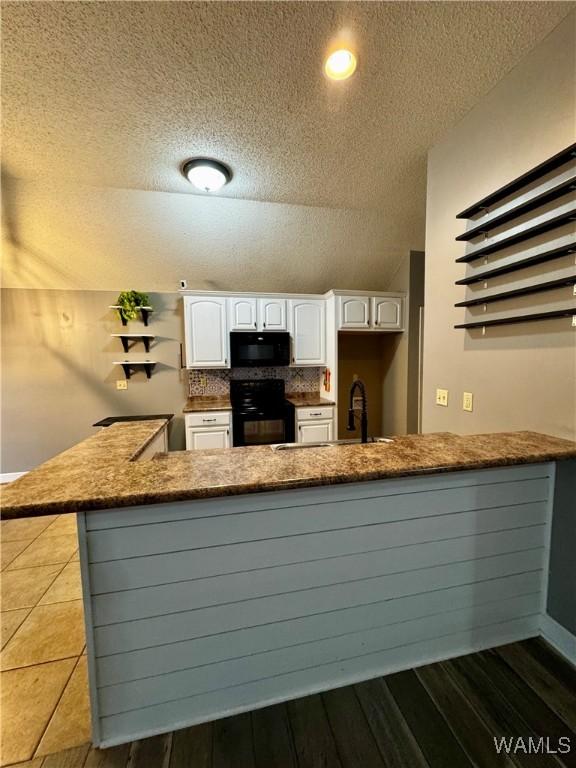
264 324
255 325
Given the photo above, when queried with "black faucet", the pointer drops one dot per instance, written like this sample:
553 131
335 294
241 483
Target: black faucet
358 383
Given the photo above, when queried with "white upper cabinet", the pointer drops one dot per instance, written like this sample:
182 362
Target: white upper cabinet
272 314
371 313
387 312
307 319
251 314
354 311
243 314
206 332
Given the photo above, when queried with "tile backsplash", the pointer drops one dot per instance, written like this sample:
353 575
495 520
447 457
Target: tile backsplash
217 382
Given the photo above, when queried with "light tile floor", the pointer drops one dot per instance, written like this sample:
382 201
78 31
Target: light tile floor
44 687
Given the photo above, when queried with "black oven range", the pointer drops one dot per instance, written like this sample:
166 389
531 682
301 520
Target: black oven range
261 415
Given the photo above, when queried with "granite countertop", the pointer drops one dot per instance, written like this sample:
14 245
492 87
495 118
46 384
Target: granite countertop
207 403
113 419
312 399
222 402
100 472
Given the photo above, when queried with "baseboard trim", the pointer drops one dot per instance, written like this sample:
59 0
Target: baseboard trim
8 477
559 638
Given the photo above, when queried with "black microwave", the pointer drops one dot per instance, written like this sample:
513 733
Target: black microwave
266 349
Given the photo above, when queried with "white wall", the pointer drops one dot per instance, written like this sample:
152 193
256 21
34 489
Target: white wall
522 376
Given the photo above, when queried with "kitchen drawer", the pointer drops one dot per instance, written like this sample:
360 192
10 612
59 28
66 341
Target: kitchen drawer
208 418
303 414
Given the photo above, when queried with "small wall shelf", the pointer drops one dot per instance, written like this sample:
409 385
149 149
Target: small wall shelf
551 284
521 181
539 258
126 338
520 318
144 311
528 205
518 237
131 365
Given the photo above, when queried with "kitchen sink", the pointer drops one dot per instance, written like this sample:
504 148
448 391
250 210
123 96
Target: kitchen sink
327 444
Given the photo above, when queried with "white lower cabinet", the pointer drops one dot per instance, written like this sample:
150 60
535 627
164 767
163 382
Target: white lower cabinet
315 431
315 425
208 429
158 445
200 438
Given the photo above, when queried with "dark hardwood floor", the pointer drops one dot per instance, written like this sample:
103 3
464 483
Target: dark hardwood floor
443 715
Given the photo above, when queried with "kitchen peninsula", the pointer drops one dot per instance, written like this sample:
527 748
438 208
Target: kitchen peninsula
225 580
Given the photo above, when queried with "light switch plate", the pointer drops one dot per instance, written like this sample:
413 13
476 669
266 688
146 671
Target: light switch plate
442 397
121 384
467 401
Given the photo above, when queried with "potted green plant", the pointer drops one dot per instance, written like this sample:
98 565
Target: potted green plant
129 303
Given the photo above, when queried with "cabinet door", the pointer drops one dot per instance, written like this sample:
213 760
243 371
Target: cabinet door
272 314
308 328
205 331
198 438
315 431
354 312
387 313
243 314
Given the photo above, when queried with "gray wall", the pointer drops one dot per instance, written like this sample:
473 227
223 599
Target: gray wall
57 372
522 376
562 584
401 352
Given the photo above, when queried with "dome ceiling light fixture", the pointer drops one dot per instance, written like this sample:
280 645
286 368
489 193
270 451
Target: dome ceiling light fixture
340 65
205 174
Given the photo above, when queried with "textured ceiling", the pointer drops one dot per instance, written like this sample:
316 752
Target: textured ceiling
102 102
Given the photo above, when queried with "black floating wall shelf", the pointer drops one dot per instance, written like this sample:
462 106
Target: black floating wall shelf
563 184
131 365
129 339
519 318
549 285
539 258
144 311
528 205
525 234
521 181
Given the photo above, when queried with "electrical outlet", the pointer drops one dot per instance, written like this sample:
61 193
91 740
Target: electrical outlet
442 397
121 384
467 401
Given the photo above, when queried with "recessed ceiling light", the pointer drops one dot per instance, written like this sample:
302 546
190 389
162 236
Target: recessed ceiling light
205 174
340 65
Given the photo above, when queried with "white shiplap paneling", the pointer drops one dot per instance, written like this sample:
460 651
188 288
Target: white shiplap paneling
204 608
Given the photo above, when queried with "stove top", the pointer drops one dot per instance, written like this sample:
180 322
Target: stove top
260 396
